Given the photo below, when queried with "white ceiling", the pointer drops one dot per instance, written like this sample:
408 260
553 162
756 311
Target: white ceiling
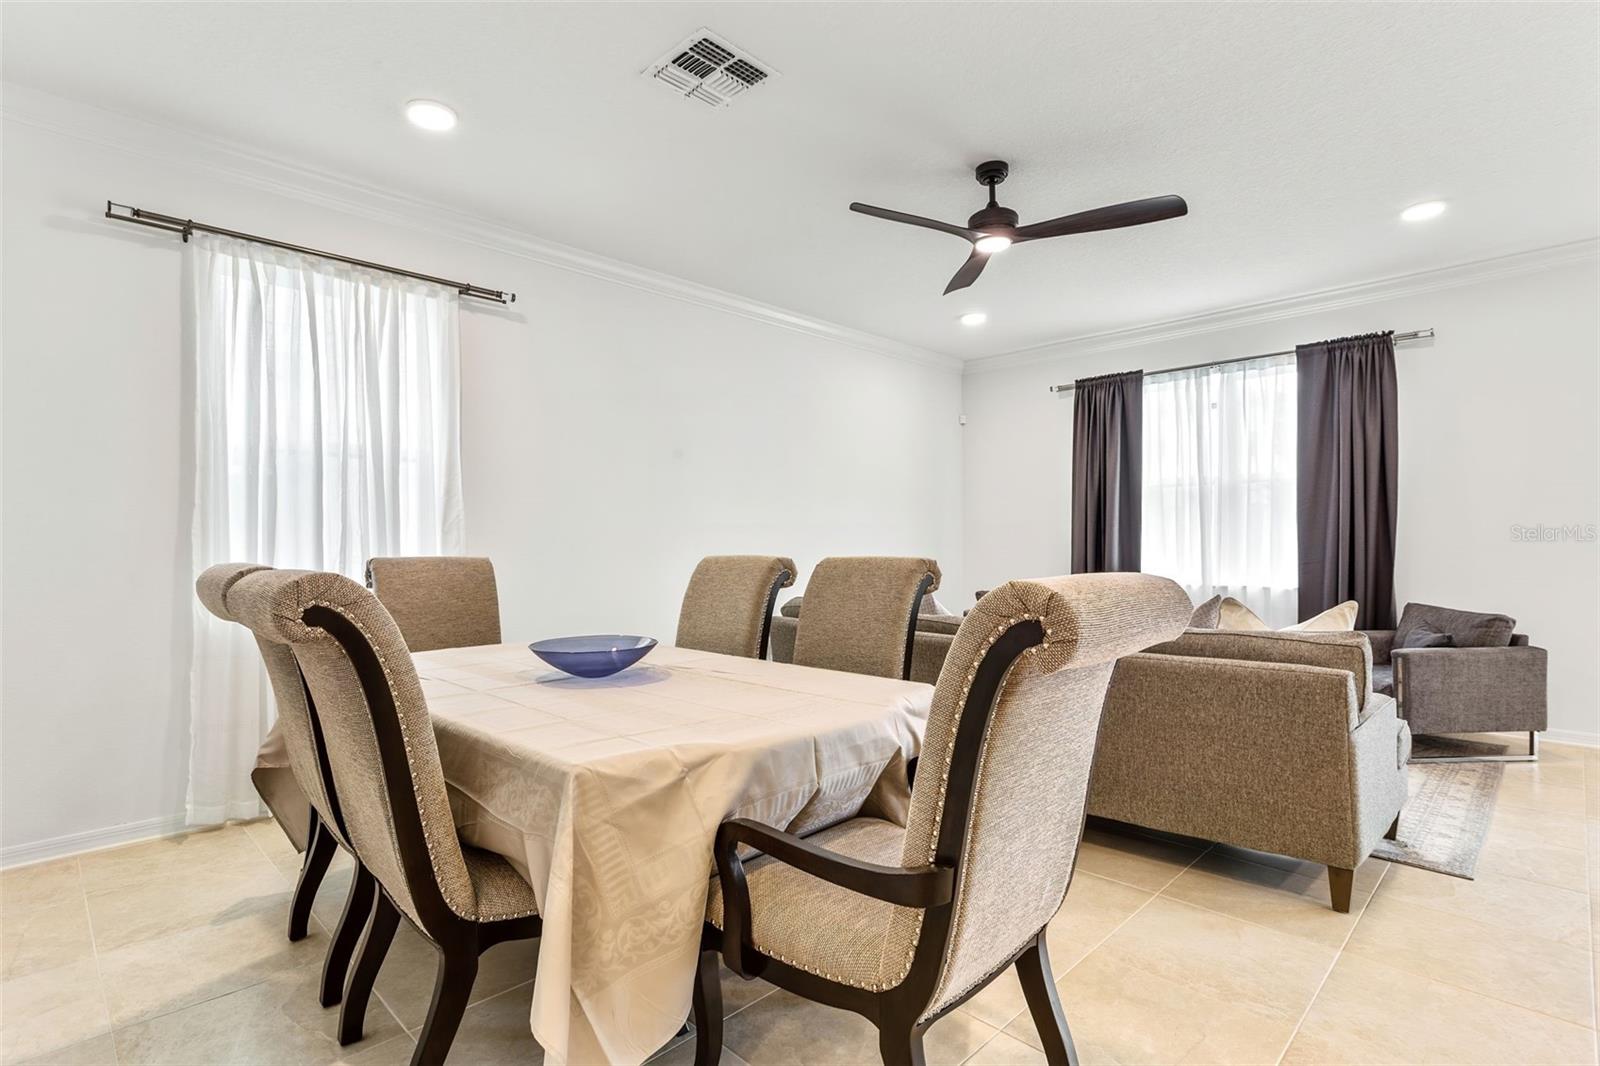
1295 132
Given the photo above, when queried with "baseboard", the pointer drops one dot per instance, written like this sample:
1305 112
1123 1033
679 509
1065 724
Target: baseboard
1571 736
92 840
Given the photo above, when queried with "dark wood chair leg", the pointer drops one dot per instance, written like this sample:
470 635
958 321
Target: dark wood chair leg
708 1010
1044 1005
1340 882
452 987
320 847
1393 832
357 909
900 1043
369 960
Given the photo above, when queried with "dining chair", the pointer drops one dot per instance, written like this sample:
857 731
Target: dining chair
861 614
902 925
384 762
438 601
306 766
727 607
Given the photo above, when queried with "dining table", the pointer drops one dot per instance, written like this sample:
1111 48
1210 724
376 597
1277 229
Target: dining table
606 795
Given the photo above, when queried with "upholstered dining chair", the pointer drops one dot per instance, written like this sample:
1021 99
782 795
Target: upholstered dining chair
438 601
307 786
904 925
727 607
861 613
383 760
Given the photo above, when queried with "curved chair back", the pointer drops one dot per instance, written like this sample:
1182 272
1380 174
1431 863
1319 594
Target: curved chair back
1002 783
379 739
860 614
297 724
438 601
727 607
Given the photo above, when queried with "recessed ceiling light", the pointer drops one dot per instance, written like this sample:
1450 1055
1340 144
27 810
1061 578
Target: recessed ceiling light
1423 212
992 244
430 115
974 318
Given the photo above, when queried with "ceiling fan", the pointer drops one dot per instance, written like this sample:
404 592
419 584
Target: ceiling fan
994 229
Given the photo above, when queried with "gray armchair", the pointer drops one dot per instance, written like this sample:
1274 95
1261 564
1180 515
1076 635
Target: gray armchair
1486 678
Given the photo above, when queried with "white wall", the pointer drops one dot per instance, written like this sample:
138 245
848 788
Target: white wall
612 436
1497 428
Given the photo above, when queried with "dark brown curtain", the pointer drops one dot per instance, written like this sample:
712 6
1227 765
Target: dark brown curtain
1107 472
1349 446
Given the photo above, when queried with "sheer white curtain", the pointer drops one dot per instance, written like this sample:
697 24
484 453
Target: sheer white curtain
327 430
1219 483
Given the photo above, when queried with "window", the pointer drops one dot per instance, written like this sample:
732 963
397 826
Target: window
1219 483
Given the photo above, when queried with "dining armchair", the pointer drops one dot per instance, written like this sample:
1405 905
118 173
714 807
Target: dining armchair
382 759
861 612
902 925
438 601
727 607
298 791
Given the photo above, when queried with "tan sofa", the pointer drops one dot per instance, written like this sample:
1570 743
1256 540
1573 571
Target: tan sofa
1270 741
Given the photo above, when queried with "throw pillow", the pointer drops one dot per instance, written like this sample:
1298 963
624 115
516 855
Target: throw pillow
1234 615
1423 635
1208 615
1340 618
1469 629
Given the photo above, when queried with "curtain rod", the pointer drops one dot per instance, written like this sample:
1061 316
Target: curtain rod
1414 335
186 226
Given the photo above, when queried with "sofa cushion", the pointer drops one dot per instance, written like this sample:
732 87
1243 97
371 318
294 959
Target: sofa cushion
1468 629
938 623
1208 615
1383 678
1423 635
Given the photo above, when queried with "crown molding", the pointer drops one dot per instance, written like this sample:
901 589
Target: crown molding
242 165
1333 299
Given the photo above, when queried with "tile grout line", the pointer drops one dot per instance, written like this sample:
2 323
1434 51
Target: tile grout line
94 952
1337 955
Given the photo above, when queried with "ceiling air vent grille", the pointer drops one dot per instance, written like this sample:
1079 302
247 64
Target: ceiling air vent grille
707 68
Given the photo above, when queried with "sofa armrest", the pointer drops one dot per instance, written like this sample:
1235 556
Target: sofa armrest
1382 641
1251 753
1471 690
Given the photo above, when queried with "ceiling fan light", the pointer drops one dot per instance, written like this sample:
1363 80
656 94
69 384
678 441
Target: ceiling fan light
991 244
974 318
430 115
1424 211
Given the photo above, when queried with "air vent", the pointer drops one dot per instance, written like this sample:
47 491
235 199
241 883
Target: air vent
707 68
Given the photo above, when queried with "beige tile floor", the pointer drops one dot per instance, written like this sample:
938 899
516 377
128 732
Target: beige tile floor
172 951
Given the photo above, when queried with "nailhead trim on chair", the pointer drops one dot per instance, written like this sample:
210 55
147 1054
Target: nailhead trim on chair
405 738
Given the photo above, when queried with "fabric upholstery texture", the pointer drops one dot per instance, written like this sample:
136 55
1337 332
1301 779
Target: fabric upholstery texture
1339 651
1469 629
1383 678
1231 614
293 729
858 613
1472 690
1207 615
725 608
1423 635
438 601
815 925
929 644
1266 755
273 603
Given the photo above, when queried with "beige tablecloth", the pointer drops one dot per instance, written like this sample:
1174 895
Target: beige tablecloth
607 794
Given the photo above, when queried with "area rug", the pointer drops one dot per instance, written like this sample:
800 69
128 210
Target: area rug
1447 814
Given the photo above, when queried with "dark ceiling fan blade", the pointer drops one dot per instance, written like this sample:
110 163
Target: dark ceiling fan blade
915 220
1133 213
968 273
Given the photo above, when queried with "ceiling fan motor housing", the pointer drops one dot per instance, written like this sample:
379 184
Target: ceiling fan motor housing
993 217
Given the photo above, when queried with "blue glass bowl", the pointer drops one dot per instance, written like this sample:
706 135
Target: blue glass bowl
596 655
